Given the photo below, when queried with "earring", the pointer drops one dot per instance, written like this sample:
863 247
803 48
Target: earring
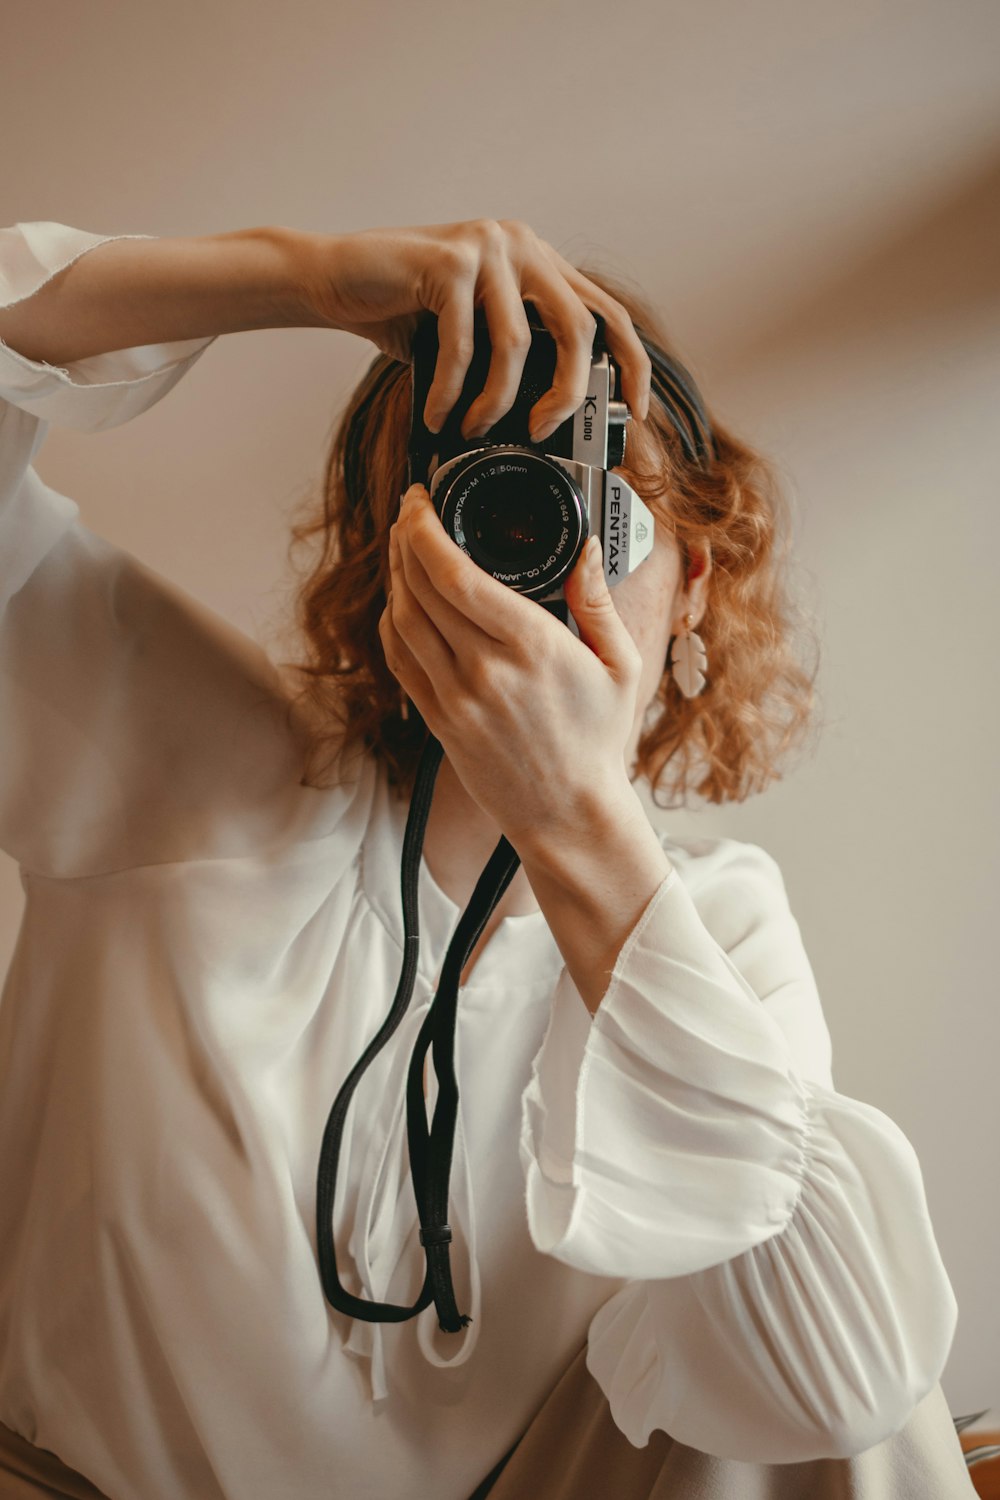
688 660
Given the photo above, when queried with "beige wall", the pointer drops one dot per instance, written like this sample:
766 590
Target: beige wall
810 192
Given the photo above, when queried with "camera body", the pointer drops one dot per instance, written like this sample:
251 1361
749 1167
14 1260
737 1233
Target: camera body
521 510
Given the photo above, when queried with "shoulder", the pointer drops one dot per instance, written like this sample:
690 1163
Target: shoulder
739 892
718 871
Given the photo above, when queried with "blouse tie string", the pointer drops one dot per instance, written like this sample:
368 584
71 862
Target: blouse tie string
431 1147
385 1230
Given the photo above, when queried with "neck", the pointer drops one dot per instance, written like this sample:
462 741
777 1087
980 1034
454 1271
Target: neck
460 838
459 841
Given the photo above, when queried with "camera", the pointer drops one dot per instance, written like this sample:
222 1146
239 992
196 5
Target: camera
522 510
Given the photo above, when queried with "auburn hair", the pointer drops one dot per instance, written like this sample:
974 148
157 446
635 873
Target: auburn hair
727 743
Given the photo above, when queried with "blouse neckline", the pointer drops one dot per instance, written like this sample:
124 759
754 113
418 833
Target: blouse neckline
521 943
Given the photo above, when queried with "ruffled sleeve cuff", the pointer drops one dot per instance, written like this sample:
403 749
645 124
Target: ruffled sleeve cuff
88 395
788 1300
670 1132
819 1342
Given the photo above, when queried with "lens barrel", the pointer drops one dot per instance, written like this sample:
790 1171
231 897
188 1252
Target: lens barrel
520 516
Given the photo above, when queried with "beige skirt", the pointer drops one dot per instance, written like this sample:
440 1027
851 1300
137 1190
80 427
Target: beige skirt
28 1473
573 1451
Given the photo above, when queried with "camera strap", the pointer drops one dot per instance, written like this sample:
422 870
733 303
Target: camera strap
430 1149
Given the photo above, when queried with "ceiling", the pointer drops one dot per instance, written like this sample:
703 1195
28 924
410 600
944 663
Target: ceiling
731 157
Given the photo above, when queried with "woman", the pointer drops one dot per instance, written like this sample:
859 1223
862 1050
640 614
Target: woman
675 1240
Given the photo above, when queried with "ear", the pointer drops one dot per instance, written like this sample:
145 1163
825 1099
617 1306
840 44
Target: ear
693 599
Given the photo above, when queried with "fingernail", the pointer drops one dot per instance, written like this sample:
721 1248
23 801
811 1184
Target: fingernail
593 558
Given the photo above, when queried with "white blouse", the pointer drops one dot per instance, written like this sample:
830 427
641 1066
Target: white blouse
207 947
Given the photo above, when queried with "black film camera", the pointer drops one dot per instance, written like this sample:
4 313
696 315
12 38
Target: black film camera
522 510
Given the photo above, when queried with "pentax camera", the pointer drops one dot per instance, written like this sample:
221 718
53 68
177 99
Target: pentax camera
521 510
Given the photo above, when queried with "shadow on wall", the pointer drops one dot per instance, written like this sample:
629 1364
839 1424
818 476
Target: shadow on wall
943 264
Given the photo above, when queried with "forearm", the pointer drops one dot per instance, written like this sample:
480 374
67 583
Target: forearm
130 292
594 884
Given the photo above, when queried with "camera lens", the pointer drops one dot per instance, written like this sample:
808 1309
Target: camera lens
517 514
507 525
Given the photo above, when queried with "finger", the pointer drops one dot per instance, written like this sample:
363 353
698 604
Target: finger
624 343
495 608
463 635
414 626
573 326
407 671
455 350
626 348
598 621
510 340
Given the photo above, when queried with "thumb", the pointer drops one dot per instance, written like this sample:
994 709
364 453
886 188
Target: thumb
589 598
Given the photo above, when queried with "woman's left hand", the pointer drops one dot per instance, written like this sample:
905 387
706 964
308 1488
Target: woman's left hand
534 722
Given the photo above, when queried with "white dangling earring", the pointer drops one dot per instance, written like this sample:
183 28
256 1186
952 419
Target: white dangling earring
688 661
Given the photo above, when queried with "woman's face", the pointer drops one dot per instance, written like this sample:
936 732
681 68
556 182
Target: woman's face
652 603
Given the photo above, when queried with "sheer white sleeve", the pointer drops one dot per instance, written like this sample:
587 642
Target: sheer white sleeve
787 1298
137 726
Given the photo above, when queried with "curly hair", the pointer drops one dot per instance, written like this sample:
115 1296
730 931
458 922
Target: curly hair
724 745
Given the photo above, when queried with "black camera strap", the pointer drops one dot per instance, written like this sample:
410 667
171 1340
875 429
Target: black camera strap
431 1150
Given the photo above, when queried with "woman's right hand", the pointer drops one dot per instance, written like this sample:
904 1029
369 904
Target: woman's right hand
377 283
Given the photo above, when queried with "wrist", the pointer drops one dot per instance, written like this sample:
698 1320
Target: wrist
302 262
594 882
604 819
268 271
314 270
